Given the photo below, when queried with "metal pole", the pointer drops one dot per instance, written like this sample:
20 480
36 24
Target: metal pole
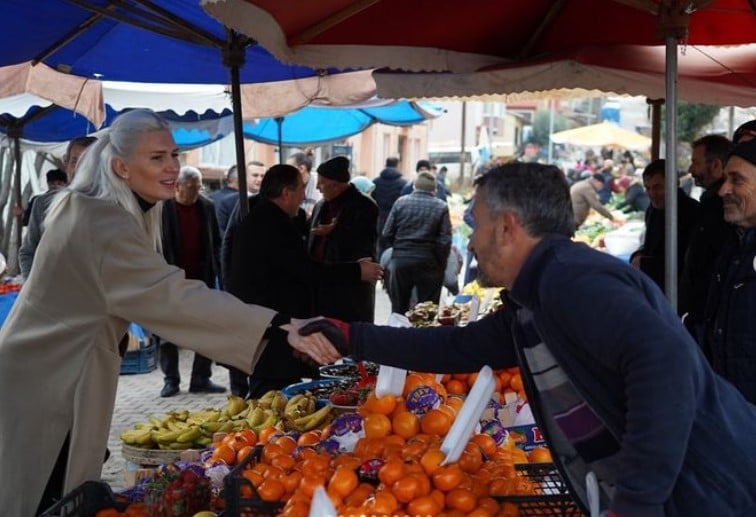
462 144
670 173
15 131
279 123
233 57
551 129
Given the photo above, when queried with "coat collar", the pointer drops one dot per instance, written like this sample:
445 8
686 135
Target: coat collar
524 289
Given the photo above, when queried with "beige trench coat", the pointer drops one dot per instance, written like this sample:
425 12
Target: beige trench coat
95 271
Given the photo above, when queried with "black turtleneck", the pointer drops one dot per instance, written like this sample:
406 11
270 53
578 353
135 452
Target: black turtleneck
143 204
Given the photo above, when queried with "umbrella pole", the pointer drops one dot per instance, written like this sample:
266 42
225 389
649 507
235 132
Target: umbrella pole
655 126
279 124
670 173
14 132
233 57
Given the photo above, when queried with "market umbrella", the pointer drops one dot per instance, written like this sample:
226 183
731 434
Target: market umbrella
169 41
604 134
342 33
318 124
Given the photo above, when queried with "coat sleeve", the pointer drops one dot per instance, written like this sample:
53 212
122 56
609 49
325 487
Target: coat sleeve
439 349
595 203
139 286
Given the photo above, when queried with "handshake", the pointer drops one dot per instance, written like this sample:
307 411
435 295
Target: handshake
323 340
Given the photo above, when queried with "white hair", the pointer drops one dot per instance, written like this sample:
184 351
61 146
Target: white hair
187 172
95 176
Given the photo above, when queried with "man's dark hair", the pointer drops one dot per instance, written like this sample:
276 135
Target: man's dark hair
598 177
657 166
81 141
302 159
232 174
56 175
422 164
392 161
537 194
278 178
716 147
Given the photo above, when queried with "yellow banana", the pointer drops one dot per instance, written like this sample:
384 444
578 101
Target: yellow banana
189 435
310 422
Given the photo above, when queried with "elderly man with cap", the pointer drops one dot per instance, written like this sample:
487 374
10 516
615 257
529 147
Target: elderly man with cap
418 229
343 229
729 324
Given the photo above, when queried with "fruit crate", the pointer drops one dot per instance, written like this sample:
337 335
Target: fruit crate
85 501
553 499
236 488
143 360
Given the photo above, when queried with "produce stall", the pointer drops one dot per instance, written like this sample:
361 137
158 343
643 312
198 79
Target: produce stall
461 444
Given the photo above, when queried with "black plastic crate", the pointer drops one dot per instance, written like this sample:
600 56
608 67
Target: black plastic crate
85 501
553 499
237 505
143 360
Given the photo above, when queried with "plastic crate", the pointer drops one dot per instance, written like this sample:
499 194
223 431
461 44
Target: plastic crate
554 498
85 501
237 505
143 360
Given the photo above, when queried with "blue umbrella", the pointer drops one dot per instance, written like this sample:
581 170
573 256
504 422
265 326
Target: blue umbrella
319 124
169 41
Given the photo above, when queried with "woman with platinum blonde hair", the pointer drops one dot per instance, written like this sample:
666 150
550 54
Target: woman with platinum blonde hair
97 268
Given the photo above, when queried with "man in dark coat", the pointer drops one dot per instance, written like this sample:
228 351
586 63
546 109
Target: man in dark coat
729 323
224 199
650 257
343 229
191 241
388 188
711 231
270 267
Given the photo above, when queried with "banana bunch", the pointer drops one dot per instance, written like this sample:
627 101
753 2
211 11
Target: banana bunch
274 400
301 404
314 420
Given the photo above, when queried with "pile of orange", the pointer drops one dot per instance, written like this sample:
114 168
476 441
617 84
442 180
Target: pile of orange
507 380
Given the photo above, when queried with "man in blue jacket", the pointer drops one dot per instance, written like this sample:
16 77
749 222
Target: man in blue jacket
625 393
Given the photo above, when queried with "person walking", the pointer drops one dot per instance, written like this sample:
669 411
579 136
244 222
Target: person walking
627 395
191 241
418 230
388 188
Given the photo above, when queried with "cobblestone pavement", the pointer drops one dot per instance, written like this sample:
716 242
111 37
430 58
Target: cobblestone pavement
138 397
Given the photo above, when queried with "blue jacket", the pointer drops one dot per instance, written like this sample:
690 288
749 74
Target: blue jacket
685 435
730 316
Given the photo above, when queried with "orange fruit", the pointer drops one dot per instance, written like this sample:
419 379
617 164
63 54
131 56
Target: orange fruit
515 382
284 462
380 405
486 443
242 453
447 477
406 424
461 499
270 450
437 422
406 489
391 471
343 481
358 496
471 459
271 490
480 512
455 387
308 438
425 505
431 460
455 403
266 433
225 454
287 443
540 455
376 425
450 411
490 504
291 481
383 503
310 482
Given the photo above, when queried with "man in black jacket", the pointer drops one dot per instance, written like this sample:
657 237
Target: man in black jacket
191 241
343 229
270 267
650 257
707 168
388 188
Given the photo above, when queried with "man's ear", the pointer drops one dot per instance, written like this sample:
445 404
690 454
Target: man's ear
120 168
508 226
